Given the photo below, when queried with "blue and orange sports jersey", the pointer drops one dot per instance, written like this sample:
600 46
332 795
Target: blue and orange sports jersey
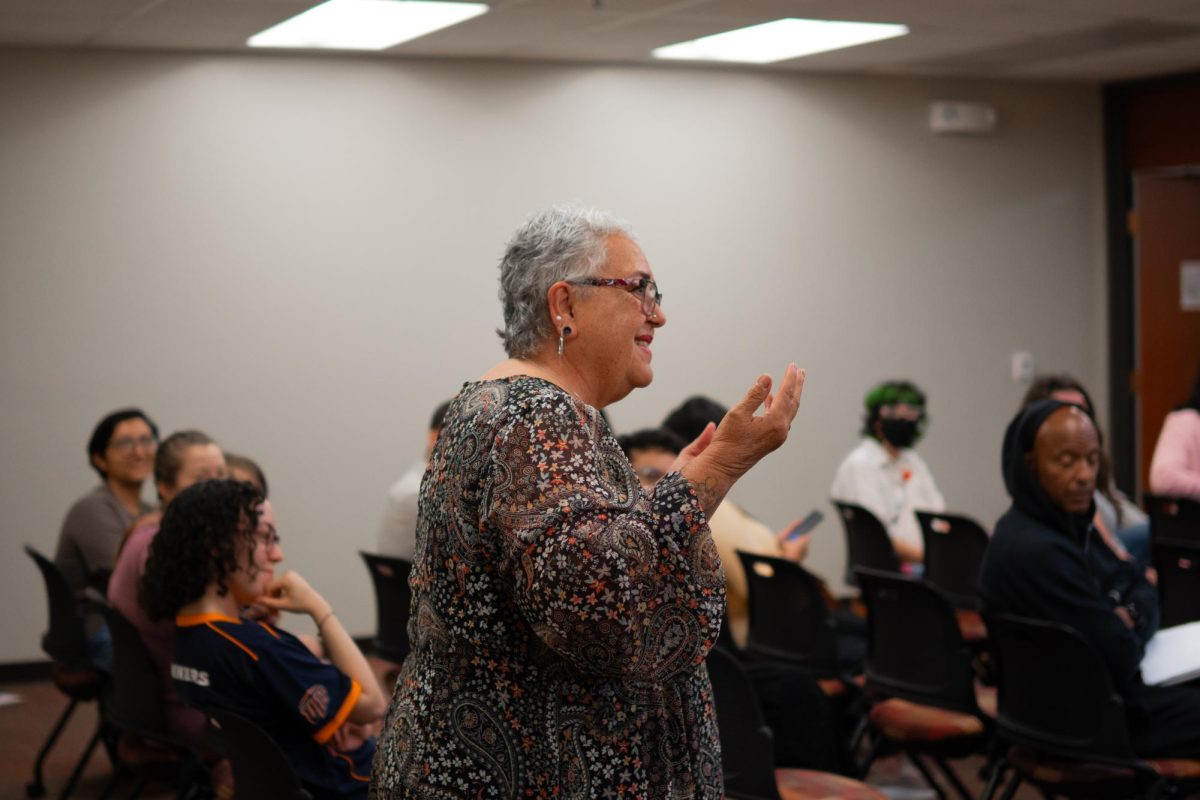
269 677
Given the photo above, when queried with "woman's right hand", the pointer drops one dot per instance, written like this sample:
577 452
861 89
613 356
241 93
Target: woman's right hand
290 592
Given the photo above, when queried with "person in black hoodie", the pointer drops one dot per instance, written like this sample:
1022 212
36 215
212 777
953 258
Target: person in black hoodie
1046 561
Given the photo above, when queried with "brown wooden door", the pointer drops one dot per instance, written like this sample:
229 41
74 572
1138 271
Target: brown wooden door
1166 233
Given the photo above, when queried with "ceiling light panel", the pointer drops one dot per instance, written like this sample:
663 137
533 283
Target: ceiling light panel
780 40
365 24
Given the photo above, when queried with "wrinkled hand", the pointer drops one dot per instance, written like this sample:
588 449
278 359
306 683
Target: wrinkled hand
290 592
743 438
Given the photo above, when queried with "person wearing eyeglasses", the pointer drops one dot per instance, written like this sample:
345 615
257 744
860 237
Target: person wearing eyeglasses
215 553
561 613
121 451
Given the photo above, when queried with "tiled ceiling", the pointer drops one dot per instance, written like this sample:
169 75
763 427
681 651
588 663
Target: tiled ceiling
1076 40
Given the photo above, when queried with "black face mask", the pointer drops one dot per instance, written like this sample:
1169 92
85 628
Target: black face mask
899 433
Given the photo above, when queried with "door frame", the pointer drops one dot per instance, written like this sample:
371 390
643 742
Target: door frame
1146 127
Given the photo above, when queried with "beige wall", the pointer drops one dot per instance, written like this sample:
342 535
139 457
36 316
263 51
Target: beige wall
297 255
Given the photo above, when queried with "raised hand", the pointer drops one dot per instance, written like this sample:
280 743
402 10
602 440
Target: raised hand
743 438
716 460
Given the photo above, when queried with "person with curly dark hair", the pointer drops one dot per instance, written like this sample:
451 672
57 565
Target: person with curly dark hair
215 552
183 459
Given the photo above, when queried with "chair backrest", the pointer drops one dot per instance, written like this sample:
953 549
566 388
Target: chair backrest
1054 691
134 700
867 541
393 602
260 769
747 746
954 547
788 616
914 648
1178 565
1173 518
64 640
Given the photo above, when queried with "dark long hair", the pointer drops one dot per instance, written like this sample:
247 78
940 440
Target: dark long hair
203 533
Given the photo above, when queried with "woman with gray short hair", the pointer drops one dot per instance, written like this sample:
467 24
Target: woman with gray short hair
561 614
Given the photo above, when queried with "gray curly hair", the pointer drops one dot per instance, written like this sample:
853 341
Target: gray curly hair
559 243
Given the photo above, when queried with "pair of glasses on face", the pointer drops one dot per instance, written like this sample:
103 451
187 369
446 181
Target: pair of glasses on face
643 288
269 538
127 443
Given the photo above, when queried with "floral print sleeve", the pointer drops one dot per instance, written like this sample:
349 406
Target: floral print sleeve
615 582
560 617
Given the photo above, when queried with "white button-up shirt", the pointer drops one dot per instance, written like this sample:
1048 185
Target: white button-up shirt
889 489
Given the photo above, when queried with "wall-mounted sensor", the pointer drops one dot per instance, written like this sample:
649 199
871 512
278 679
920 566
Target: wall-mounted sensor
954 116
1022 367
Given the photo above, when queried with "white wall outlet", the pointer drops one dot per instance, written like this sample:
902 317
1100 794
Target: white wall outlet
1022 366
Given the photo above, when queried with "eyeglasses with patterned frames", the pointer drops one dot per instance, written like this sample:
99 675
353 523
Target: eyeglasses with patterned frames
643 287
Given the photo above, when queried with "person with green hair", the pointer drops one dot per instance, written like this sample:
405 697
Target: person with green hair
884 475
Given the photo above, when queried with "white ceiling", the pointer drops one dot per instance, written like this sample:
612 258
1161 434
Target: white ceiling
1075 40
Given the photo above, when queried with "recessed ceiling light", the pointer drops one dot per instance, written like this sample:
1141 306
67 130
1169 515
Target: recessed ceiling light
780 40
365 24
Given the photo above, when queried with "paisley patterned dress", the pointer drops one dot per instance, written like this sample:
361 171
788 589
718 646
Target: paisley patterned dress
560 616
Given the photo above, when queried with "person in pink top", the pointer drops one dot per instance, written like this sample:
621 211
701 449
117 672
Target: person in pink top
183 458
1175 468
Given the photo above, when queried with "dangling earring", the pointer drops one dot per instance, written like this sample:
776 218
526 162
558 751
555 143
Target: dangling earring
564 332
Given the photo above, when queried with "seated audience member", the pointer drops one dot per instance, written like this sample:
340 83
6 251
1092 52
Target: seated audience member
652 452
121 451
1043 562
733 528
1121 524
884 475
398 531
1175 468
217 551
244 468
183 459
800 716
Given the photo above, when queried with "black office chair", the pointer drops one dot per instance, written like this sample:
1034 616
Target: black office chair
789 620
1174 519
747 749
1065 722
260 769
134 706
72 672
954 547
393 604
867 541
920 667
1178 565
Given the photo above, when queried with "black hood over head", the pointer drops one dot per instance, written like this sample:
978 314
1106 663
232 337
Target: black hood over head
1021 481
